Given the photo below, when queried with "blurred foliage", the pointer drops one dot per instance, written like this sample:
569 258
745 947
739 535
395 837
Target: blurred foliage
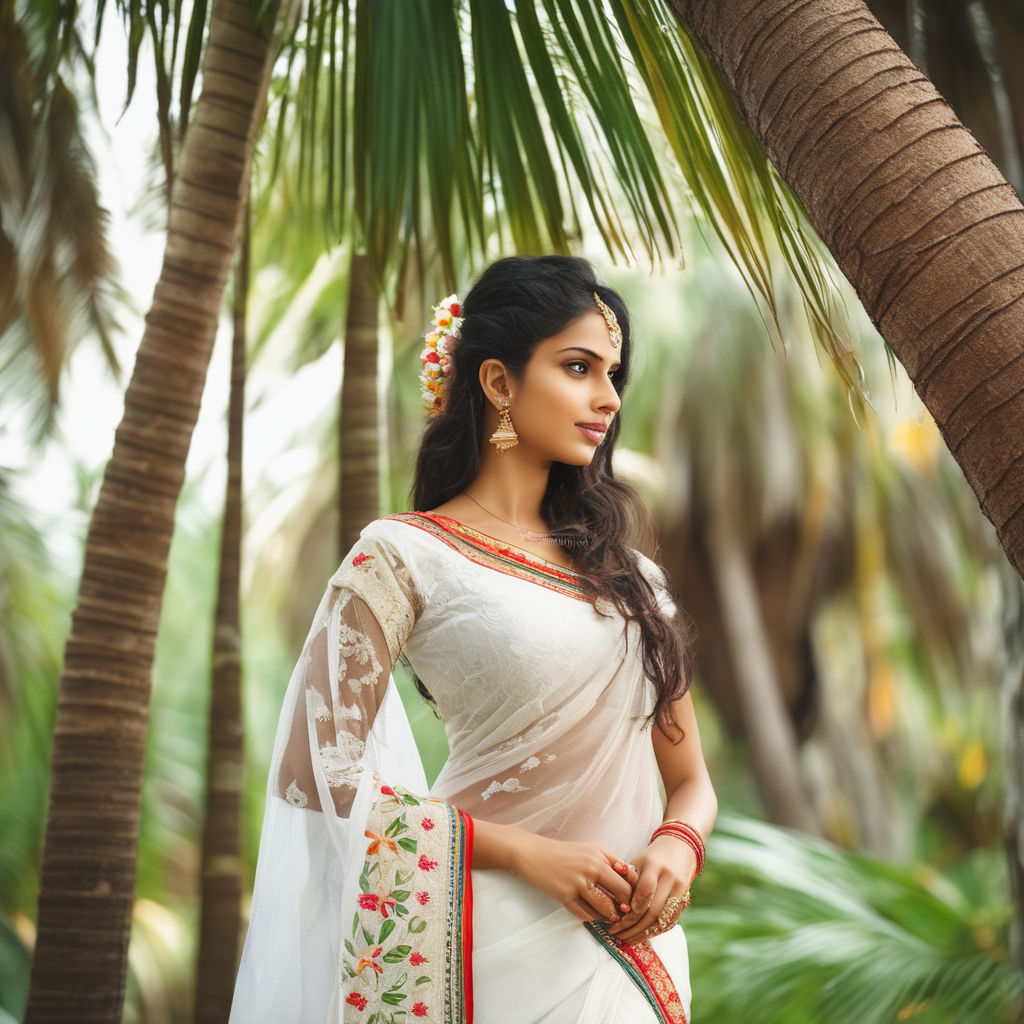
785 929
57 274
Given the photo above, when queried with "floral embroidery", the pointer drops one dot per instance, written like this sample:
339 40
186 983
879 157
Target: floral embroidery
321 712
354 644
407 866
508 786
341 763
295 796
529 764
369 959
383 582
351 712
374 848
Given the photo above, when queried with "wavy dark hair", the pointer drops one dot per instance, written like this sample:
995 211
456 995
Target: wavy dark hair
516 303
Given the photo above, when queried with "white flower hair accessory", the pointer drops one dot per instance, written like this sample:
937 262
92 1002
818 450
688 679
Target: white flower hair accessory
436 356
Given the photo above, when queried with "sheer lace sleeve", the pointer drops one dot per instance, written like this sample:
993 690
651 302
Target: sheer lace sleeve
364 620
341 722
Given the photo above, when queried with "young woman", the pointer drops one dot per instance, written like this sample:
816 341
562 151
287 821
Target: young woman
541 878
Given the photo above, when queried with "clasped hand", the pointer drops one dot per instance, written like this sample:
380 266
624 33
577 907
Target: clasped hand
595 885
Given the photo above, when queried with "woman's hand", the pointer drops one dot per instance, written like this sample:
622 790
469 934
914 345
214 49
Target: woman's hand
666 868
588 880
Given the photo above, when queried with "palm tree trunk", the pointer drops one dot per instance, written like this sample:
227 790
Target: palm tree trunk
769 730
915 213
221 889
88 867
359 440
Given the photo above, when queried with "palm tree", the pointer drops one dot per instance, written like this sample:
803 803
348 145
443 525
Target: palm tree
89 853
220 903
508 167
915 213
970 50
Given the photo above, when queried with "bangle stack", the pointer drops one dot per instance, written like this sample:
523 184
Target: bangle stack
688 834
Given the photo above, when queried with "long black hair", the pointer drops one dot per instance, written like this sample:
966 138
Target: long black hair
516 303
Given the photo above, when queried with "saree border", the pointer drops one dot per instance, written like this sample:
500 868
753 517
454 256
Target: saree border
410 838
490 552
459 925
647 972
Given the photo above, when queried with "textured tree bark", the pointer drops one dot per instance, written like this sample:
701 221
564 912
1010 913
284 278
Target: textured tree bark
359 436
88 869
915 213
221 885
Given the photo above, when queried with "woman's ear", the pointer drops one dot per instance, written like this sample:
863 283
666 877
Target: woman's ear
495 381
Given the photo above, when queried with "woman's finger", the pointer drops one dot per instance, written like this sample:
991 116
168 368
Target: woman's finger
602 904
631 875
616 886
643 895
650 925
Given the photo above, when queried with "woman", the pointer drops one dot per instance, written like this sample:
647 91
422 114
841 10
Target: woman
534 882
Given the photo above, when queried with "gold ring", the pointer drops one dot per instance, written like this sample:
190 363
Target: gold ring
669 913
672 906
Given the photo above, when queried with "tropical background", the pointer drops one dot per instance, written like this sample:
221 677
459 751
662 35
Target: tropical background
860 652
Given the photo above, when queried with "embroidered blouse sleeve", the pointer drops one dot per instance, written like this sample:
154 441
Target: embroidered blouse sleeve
359 629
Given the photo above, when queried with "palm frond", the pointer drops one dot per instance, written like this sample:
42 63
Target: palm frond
788 929
473 129
58 272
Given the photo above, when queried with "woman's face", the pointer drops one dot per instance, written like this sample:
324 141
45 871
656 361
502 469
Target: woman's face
566 398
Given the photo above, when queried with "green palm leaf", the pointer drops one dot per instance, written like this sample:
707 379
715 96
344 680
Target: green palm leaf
789 929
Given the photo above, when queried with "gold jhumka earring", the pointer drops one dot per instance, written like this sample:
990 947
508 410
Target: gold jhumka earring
505 436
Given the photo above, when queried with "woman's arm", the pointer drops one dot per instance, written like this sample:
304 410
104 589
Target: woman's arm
667 867
567 872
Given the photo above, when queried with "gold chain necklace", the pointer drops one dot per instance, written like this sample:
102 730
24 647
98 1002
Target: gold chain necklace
526 533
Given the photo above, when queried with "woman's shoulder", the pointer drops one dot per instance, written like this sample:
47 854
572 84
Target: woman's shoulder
400 532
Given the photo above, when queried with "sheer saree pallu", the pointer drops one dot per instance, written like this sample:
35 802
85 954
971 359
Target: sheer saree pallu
364 907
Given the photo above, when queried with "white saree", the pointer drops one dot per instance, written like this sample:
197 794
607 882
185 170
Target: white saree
364 906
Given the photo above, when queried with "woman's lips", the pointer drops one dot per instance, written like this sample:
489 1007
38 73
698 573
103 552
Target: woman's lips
597 436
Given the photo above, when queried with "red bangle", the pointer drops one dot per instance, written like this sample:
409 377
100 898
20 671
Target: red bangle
684 831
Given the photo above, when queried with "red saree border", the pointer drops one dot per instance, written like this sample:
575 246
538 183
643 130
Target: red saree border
489 551
647 972
467 915
459 965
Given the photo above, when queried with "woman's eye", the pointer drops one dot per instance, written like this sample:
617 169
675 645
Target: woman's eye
585 367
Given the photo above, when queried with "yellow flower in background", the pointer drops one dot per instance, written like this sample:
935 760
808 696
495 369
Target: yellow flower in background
973 766
918 444
881 701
